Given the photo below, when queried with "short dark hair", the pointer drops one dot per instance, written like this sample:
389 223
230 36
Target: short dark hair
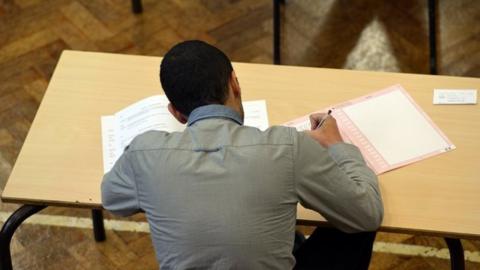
194 73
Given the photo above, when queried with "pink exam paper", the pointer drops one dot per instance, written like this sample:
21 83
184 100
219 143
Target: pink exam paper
388 127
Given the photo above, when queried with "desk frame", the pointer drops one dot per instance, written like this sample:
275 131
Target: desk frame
26 211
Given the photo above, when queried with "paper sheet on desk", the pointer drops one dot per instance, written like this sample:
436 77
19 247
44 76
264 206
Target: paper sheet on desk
388 127
151 113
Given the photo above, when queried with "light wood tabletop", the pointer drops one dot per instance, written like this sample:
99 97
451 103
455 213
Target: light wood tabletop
61 160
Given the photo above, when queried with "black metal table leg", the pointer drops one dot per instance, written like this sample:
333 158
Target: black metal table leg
457 258
137 7
8 230
276 32
98 227
432 22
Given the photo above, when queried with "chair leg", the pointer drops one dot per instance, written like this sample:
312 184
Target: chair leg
457 258
276 31
8 229
98 227
137 7
432 22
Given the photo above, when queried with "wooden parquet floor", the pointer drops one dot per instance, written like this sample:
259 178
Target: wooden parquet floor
355 34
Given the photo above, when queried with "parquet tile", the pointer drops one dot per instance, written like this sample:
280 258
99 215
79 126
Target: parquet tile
36 89
90 256
26 44
356 34
88 24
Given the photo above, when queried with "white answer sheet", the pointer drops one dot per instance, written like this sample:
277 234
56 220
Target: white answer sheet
395 128
388 127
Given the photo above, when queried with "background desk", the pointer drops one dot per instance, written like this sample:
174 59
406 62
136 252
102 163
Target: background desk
61 159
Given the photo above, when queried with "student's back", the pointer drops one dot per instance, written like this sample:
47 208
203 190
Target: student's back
221 195
218 195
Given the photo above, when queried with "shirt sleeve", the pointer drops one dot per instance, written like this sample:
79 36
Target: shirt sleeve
119 189
337 183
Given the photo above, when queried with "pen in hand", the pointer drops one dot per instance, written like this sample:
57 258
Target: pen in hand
323 119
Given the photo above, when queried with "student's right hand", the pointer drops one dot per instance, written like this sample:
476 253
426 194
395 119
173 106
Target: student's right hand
327 134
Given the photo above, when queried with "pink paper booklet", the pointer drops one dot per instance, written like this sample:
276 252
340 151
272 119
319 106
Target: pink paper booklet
388 127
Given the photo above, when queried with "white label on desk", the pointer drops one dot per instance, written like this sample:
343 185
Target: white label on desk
454 96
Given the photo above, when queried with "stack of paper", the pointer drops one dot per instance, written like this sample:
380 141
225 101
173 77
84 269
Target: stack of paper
152 113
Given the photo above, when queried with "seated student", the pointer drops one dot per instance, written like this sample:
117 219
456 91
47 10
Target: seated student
221 195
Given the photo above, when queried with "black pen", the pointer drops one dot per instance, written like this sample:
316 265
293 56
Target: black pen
323 119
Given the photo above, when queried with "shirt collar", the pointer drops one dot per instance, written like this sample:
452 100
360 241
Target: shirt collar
214 111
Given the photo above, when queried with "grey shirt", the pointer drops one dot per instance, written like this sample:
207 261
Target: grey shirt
221 195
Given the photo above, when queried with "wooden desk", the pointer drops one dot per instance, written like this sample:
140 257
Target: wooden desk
61 160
